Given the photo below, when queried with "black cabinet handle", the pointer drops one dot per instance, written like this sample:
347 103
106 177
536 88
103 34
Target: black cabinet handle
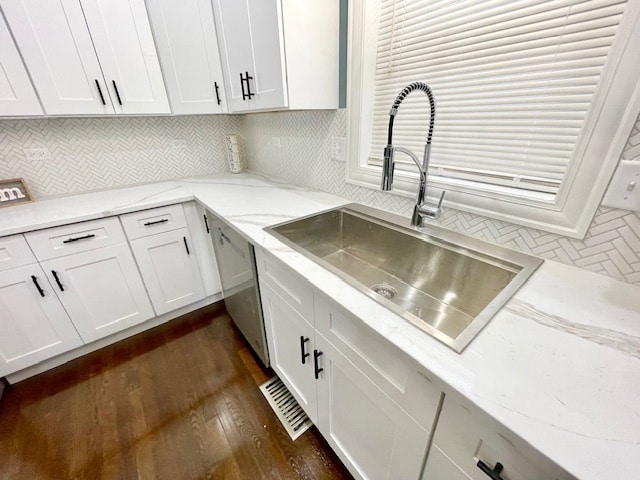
100 92
57 279
494 473
75 239
186 246
156 222
115 87
247 78
244 95
303 354
317 370
206 223
38 287
215 84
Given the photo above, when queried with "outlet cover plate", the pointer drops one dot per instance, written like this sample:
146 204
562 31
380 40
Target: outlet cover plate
624 189
338 149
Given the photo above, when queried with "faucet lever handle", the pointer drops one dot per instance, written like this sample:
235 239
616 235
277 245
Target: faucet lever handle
441 197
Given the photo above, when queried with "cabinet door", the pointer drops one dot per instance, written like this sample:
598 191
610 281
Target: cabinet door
122 37
250 38
372 435
290 338
17 96
101 290
188 49
33 324
393 372
57 49
169 269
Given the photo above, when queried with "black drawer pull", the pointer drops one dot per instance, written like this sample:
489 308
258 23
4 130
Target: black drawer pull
491 473
100 92
75 239
115 87
303 354
57 279
156 222
38 287
317 370
186 246
206 223
215 84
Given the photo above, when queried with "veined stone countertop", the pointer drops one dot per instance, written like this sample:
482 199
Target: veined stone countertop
559 365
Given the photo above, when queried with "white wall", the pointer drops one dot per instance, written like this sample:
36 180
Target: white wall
611 246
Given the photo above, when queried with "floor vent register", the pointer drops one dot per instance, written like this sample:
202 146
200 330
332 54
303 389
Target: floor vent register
286 408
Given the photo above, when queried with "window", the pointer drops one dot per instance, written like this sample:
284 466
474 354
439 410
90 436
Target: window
535 100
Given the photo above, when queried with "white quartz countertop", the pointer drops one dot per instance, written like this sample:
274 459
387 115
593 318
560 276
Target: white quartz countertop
559 365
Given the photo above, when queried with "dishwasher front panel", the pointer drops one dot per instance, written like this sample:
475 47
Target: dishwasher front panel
238 275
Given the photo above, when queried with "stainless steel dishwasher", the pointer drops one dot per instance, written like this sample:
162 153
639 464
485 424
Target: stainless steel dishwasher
237 267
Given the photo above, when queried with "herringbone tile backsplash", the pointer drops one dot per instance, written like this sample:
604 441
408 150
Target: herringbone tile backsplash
611 246
97 153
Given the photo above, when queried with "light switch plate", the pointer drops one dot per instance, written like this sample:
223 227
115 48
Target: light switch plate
624 189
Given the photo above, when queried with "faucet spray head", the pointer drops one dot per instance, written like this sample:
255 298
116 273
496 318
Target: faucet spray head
387 169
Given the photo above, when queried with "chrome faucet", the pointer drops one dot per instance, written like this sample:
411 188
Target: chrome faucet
421 209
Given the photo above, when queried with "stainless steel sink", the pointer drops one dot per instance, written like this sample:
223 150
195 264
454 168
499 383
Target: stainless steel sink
447 284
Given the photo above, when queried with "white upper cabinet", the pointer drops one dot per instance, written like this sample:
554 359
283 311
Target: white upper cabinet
188 48
279 54
103 64
17 96
56 46
122 37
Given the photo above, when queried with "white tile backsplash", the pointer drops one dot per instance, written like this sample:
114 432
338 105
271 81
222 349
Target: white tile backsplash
611 246
97 153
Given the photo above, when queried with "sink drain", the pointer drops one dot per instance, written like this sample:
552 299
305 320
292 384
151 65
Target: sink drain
386 291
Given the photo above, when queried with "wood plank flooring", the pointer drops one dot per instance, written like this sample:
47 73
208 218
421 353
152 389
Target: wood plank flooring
178 402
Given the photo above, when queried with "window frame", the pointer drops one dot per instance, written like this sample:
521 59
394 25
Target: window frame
569 212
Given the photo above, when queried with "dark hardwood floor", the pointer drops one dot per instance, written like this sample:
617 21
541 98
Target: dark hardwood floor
178 402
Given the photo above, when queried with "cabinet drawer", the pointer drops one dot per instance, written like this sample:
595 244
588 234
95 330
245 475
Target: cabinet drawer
400 377
286 283
74 238
156 220
466 435
15 252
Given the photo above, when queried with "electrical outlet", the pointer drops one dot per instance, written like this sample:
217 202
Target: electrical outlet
338 149
37 153
179 144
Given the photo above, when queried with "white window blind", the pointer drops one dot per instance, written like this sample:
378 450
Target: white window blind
513 82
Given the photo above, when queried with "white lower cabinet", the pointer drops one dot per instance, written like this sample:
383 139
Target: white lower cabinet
372 433
169 268
33 324
469 445
291 343
101 290
373 404
66 286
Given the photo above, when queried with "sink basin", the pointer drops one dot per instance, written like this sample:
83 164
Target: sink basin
447 284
